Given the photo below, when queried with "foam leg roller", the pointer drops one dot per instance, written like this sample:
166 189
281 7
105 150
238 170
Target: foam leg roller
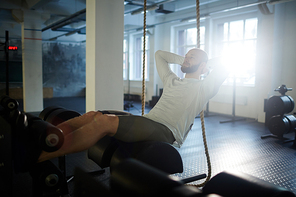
49 137
58 116
47 111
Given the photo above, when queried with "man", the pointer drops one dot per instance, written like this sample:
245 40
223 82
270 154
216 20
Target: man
169 121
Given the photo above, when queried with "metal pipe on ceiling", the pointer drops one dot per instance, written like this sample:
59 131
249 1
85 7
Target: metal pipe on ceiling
202 15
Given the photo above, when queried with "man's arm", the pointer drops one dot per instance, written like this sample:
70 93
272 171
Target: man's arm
163 59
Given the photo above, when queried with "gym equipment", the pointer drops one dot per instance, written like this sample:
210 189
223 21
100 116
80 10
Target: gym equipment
280 125
109 152
86 185
278 105
276 121
134 178
48 180
23 137
56 115
233 184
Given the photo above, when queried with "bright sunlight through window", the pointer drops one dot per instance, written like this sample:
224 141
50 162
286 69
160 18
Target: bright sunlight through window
237 45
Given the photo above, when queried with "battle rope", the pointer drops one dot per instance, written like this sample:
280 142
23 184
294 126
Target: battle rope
144 59
202 112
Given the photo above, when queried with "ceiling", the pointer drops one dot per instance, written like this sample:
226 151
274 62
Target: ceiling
65 19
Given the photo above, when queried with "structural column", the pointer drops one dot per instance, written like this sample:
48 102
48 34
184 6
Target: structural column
32 61
264 61
283 67
104 54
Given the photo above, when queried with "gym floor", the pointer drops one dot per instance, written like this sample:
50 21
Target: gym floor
233 146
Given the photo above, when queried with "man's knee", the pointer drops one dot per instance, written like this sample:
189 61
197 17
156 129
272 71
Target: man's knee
107 121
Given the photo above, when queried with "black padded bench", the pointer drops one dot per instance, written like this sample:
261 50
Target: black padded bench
108 152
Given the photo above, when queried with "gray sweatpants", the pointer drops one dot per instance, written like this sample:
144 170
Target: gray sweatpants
138 128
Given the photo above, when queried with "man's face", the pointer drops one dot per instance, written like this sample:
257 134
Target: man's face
191 62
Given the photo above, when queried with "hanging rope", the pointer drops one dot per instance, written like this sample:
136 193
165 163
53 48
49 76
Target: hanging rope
144 59
202 112
143 86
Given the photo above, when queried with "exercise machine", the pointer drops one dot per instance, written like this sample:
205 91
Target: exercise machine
108 151
23 138
134 178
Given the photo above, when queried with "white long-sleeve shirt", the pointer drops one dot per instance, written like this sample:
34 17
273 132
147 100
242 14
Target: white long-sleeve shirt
182 99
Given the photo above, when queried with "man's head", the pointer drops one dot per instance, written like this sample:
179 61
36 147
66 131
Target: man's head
195 61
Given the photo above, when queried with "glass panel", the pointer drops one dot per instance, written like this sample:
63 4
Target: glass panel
124 45
124 65
236 30
181 40
235 47
125 59
250 53
190 47
251 28
202 46
140 73
202 35
191 35
222 48
181 51
220 33
237 44
226 28
137 66
138 44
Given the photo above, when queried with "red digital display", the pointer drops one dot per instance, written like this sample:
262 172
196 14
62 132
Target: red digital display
13 48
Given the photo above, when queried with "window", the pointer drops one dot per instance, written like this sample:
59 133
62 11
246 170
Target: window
186 39
125 59
236 41
137 64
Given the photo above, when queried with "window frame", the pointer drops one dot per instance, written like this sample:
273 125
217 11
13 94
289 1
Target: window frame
125 58
214 48
184 26
133 55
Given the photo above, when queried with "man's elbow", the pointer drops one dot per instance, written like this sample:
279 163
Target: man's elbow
158 52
